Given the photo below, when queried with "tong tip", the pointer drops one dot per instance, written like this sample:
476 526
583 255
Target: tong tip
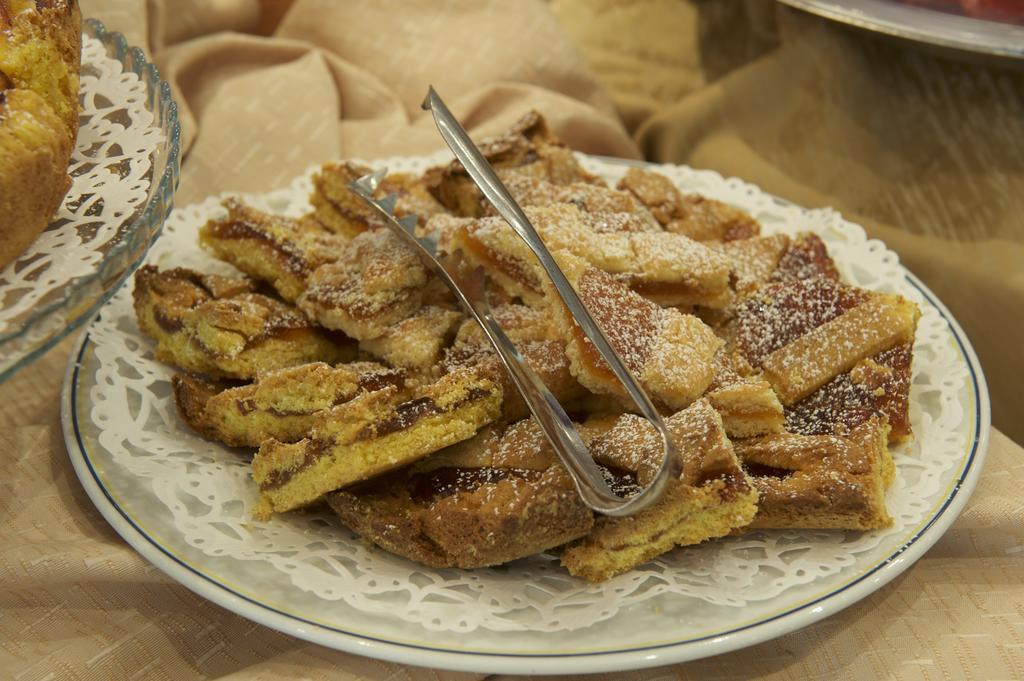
430 100
365 186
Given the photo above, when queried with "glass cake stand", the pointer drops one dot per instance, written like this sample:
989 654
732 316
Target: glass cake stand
124 174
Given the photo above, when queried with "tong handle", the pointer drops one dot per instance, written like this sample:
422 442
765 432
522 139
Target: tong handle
494 190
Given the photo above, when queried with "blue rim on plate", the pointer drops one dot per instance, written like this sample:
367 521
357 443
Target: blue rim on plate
529 662
84 295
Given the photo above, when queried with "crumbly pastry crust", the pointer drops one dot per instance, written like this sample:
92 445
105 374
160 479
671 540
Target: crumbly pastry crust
669 352
376 282
540 345
499 496
372 434
782 385
280 251
698 217
340 211
670 269
282 404
528 149
821 481
711 496
220 326
40 54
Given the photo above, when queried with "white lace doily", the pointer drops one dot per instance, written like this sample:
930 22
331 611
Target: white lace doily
203 493
111 171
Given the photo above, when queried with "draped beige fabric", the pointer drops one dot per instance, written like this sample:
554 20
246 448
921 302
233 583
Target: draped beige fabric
923 147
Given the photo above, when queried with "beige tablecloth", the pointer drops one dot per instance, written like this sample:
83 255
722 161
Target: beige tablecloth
780 100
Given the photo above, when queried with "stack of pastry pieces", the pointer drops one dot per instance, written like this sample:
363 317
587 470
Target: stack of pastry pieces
346 366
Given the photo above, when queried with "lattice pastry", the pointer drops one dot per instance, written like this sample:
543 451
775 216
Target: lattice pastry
834 354
221 327
340 211
696 216
496 497
670 269
669 352
281 251
282 404
711 497
372 434
821 481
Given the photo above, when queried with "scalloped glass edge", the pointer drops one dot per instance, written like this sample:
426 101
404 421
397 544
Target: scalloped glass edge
125 256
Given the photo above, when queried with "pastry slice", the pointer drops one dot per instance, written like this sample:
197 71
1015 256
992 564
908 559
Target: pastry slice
278 250
499 496
537 341
711 496
835 354
668 268
753 261
342 212
809 362
821 481
282 404
376 282
745 400
669 352
587 197
696 216
418 341
877 385
370 435
806 257
528 149
219 326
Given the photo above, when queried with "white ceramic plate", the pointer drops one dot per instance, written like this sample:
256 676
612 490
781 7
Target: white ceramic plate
921 24
184 503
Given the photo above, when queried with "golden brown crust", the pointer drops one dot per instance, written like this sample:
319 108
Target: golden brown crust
376 282
589 197
540 345
746 401
669 352
527 149
342 212
499 496
40 48
698 217
282 404
281 251
710 498
822 481
417 341
835 354
219 326
670 269
372 434
34 153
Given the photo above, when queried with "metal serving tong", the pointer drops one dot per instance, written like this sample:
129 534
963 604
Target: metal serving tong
469 288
